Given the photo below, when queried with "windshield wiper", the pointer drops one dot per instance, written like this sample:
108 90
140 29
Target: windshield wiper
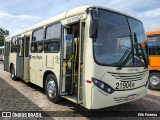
124 58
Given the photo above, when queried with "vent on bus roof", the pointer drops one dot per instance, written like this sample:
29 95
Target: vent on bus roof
129 76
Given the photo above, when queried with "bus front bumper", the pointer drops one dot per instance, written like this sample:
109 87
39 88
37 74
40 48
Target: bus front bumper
101 99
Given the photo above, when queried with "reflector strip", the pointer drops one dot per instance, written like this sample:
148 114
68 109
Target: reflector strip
89 81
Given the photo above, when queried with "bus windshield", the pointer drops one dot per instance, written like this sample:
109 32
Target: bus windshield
115 35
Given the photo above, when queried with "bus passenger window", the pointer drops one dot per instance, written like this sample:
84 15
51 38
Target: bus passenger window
37 41
37 47
40 46
51 46
52 38
14 45
153 44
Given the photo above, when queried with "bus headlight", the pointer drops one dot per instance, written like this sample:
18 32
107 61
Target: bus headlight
103 86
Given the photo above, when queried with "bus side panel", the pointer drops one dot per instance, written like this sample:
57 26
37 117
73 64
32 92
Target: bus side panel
36 69
154 62
12 60
51 63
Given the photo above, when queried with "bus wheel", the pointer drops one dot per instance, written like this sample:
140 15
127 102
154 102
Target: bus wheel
154 81
51 88
13 76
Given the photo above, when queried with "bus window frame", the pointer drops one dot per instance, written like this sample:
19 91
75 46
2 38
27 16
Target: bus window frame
38 40
15 45
20 47
55 41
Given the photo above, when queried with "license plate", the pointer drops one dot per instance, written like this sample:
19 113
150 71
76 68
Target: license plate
124 85
131 97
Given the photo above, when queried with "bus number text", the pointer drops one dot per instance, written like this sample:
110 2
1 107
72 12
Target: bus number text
124 85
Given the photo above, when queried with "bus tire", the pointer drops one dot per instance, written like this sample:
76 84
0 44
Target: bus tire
51 89
154 81
13 76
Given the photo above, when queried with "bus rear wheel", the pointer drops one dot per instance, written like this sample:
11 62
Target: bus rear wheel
51 89
13 76
154 81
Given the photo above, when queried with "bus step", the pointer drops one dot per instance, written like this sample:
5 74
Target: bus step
26 80
71 98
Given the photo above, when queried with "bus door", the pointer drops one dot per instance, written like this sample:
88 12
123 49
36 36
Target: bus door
80 61
26 58
3 54
6 56
66 81
20 57
72 61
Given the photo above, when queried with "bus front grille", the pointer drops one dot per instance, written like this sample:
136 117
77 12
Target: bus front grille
129 76
126 99
120 99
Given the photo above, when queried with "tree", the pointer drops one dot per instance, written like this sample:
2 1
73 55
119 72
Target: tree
3 34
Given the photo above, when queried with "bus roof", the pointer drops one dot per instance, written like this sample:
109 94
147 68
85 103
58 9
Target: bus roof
157 32
69 13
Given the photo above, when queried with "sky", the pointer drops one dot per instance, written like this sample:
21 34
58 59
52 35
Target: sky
16 15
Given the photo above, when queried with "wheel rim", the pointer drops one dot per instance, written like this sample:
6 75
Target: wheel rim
154 80
51 88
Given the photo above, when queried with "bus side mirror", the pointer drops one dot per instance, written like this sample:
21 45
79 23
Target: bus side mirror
93 24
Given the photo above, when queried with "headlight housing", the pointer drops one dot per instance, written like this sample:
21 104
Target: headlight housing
103 86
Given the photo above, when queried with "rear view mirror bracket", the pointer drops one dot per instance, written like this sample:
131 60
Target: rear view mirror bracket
93 24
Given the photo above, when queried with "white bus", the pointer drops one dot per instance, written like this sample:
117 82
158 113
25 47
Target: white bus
91 55
2 53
